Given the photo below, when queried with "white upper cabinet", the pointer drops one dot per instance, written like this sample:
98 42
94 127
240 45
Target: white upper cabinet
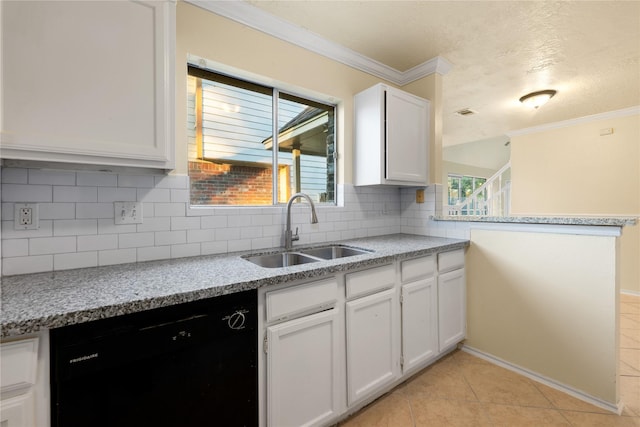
391 137
89 82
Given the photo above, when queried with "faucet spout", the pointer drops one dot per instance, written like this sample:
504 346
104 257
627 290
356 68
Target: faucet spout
289 237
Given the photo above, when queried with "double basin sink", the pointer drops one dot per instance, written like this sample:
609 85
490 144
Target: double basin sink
305 256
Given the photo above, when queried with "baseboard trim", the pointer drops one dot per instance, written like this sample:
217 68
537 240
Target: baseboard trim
632 293
544 380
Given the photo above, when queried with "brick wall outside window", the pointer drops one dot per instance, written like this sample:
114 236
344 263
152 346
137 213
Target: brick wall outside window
225 184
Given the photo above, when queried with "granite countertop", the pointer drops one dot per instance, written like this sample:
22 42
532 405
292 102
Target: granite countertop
32 302
593 221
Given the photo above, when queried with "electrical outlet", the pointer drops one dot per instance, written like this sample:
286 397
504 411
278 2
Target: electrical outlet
128 212
26 216
420 195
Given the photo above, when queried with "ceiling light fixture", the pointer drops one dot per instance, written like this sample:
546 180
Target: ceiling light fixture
536 99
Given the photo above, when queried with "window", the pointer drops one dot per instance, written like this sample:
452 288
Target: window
232 160
461 187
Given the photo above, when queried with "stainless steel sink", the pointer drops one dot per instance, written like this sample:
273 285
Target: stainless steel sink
282 259
334 251
304 256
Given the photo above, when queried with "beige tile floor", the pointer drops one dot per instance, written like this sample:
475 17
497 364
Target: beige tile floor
463 390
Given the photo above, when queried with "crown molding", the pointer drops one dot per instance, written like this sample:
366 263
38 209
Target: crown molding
572 122
256 18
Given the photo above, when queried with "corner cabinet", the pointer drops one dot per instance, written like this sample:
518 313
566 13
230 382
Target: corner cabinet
391 137
89 82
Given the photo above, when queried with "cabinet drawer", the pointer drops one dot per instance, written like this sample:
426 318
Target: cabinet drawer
302 299
18 363
369 281
448 261
418 268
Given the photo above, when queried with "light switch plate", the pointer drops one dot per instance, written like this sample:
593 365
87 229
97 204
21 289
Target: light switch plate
128 212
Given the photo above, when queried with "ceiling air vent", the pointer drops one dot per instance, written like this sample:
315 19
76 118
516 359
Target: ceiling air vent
466 112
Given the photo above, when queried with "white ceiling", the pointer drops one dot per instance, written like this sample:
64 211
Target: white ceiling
589 51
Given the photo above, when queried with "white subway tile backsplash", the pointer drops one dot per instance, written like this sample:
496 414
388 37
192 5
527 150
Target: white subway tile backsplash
199 235
7 210
216 221
168 209
170 237
94 210
96 179
239 245
172 181
97 242
57 210
51 245
113 194
107 226
154 195
239 221
74 227
154 224
153 253
229 233
185 223
63 193
15 176
116 256
262 243
77 219
50 177
250 232
210 248
135 240
15 247
75 260
26 264
9 232
185 250
136 181
26 193
179 195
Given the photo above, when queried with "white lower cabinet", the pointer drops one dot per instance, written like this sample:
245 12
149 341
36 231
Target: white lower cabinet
373 344
334 345
419 323
303 374
18 411
452 308
303 358
24 382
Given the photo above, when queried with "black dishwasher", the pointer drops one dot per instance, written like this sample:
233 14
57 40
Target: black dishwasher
193 364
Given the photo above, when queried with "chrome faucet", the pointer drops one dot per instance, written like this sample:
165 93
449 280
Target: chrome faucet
288 234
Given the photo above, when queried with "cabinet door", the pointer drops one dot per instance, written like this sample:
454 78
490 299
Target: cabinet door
419 322
373 344
305 380
452 308
107 95
406 139
18 411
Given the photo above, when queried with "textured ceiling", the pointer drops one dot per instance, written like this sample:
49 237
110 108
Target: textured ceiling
588 51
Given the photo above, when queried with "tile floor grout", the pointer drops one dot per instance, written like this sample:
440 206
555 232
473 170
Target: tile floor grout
463 390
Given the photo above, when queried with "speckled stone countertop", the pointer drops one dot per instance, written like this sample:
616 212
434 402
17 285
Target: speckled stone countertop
38 301
593 221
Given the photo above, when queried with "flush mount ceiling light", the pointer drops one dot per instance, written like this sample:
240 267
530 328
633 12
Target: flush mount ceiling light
536 99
